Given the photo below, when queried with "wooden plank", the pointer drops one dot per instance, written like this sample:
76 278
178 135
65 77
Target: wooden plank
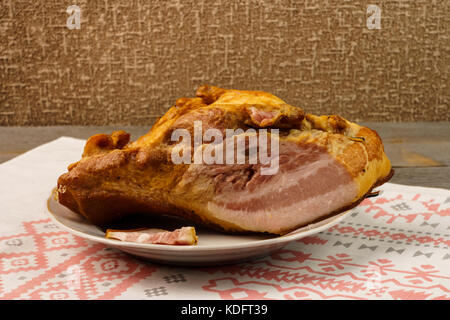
415 149
402 156
437 177
416 144
17 140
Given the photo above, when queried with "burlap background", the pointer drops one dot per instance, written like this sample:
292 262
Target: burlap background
132 59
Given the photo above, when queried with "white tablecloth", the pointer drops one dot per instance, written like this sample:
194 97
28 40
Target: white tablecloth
395 246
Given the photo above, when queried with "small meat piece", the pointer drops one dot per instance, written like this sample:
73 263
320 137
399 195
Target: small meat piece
182 236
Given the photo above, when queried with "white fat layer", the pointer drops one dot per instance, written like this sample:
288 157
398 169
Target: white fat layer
277 218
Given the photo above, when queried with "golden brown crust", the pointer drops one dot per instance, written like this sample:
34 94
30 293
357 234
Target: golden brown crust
358 148
102 142
115 177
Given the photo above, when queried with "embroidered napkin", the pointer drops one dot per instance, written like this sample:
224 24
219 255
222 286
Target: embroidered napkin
394 246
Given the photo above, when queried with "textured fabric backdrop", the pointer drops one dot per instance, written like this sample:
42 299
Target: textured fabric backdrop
131 59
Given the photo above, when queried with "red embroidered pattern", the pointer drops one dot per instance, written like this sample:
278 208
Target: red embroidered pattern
391 247
39 278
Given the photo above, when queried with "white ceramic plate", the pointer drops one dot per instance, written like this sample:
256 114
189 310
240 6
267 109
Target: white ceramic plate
213 248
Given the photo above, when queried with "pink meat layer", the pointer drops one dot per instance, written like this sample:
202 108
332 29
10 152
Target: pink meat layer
309 185
182 236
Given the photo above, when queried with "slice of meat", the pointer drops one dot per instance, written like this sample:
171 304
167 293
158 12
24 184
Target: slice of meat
324 165
182 236
263 118
296 195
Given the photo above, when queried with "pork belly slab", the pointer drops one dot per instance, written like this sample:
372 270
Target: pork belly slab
324 165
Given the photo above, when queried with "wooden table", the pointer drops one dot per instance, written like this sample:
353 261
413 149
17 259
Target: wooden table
420 152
